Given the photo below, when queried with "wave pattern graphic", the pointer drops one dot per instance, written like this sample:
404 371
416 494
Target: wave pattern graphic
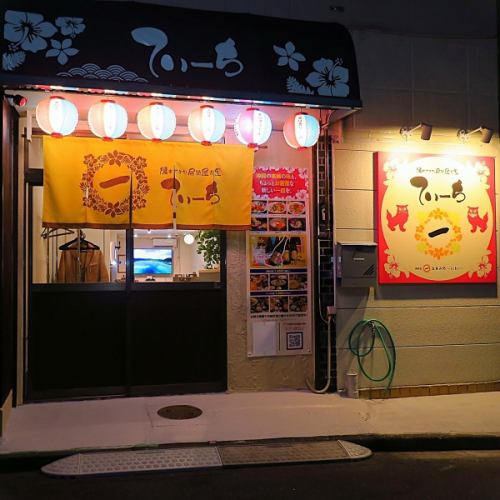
93 71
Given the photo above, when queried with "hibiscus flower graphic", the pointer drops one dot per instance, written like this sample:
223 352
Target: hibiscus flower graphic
330 78
484 267
27 30
71 26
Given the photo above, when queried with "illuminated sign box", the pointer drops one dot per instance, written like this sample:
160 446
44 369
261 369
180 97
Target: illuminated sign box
435 219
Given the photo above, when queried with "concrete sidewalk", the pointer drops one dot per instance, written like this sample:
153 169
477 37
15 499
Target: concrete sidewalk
129 422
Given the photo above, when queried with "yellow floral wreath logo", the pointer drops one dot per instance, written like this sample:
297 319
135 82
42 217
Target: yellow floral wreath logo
424 244
91 196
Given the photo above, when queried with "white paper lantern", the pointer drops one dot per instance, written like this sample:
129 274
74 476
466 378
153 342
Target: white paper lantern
253 127
107 119
301 131
57 116
156 121
206 125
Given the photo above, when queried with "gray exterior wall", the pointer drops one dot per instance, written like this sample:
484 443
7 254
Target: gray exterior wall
445 74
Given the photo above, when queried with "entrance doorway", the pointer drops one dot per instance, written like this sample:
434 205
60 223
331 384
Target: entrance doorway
120 312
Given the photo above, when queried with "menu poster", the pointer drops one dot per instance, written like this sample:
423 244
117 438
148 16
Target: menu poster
279 259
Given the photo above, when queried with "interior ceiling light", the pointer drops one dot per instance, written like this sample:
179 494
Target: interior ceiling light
156 122
188 239
486 134
425 134
206 125
301 131
253 127
56 116
107 119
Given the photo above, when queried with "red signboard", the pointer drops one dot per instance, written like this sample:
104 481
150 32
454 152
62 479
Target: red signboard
275 182
435 218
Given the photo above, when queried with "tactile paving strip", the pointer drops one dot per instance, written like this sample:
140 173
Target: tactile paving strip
118 462
199 457
316 451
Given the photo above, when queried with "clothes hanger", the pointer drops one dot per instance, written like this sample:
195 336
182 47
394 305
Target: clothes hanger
84 244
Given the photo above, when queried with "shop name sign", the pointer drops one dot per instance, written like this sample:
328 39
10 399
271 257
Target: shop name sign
436 219
130 183
175 51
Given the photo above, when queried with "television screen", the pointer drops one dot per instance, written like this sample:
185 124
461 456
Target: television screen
153 260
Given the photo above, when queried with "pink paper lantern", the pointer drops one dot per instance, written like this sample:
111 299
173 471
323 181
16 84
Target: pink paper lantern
253 127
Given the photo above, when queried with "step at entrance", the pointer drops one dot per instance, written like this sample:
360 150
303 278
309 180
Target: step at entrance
204 457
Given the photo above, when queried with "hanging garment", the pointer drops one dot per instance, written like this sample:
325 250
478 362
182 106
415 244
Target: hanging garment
92 267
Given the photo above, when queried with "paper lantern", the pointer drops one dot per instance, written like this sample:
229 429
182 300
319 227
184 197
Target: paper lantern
57 116
107 119
253 127
206 125
156 122
301 131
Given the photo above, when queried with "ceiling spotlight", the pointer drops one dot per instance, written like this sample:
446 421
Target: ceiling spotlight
425 134
18 100
486 134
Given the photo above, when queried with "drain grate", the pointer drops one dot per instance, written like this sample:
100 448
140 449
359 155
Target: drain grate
197 457
179 412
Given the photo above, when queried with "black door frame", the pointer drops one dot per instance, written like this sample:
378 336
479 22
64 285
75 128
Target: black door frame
9 126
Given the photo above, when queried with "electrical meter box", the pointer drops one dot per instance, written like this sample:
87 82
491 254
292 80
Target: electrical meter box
356 263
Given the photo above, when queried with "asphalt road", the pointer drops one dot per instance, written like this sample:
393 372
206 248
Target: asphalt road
391 475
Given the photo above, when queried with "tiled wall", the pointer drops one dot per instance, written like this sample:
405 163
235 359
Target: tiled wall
444 334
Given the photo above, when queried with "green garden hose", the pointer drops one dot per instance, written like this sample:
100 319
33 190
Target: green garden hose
360 349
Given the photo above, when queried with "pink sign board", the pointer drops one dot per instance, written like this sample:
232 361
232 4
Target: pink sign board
435 218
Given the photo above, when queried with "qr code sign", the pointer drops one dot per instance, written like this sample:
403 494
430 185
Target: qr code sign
294 340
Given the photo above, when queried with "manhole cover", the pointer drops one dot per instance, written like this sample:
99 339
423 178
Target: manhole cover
179 412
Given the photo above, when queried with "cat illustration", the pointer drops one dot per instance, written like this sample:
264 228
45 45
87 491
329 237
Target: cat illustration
476 221
399 219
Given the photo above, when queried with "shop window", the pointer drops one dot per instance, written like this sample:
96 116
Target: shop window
69 255
176 256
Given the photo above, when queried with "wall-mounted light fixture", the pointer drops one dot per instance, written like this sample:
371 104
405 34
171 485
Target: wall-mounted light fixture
486 134
425 134
18 100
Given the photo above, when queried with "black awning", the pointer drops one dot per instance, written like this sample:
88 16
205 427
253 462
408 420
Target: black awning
179 52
